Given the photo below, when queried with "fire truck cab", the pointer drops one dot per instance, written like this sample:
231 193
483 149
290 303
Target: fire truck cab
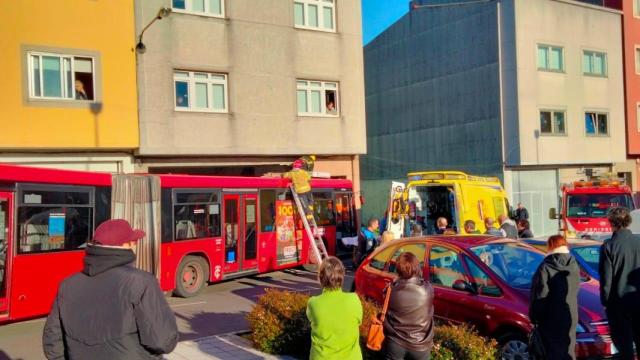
585 205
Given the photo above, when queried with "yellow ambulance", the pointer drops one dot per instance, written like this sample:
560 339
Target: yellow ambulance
456 196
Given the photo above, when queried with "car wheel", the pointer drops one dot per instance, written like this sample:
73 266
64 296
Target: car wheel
192 276
514 347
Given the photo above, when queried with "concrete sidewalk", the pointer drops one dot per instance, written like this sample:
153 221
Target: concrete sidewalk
219 347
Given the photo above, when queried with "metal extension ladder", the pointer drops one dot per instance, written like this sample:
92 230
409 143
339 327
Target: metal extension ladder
311 227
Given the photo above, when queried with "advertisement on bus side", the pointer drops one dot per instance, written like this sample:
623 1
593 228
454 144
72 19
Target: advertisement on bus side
285 232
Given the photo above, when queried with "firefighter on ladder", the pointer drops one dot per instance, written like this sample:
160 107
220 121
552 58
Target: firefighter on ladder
300 175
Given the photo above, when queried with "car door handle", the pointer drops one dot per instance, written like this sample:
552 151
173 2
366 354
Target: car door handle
489 307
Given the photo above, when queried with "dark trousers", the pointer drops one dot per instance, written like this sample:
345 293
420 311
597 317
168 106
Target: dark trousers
394 351
307 202
625 331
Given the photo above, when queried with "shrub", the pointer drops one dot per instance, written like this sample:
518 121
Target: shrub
462 342
279 325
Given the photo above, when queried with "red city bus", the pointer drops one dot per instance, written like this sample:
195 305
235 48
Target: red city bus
211 228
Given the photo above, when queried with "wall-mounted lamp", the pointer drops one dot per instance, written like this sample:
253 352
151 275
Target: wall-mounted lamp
162 13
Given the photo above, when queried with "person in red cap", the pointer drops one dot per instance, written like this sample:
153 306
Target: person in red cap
110 310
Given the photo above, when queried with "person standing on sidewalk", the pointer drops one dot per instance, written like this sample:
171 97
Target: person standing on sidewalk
619 270
335 316
367 241
521 213
554 300
408 324
508 226
110 310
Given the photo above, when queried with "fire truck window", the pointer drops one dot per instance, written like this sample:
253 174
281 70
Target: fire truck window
196 215
323 208
267 210
53 220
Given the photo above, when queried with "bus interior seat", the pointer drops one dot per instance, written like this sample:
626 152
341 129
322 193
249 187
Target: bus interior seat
185 229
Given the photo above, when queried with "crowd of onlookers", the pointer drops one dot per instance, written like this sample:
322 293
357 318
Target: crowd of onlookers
112 310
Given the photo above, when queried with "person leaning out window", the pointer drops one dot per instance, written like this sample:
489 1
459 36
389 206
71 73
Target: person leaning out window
408 325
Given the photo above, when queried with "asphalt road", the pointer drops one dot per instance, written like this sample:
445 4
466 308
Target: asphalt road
219 309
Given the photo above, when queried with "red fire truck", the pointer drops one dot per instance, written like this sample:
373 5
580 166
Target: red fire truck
585 205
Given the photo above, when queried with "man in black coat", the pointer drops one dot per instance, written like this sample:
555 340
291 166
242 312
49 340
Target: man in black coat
521 213
554 301
110 310
620 283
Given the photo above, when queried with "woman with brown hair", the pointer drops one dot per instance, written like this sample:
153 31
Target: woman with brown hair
335 316
554 301
408 325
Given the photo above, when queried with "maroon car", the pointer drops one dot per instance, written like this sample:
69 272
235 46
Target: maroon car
485 281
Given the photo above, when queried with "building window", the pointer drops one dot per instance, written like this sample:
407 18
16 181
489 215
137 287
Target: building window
198 91
596 123
638 59
594 63
552 122
61 77
636 8
638 115
317 98
550 58
200 7
315 14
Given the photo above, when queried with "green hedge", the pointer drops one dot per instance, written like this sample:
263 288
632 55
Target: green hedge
279 325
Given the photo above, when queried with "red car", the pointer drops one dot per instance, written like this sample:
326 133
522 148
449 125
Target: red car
485 281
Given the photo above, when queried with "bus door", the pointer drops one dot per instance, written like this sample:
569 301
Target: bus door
6 204
240 232
346 227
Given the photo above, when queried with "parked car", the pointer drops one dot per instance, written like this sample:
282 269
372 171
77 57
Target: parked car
485 281
586 252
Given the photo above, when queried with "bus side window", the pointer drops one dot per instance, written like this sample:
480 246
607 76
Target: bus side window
54 218
267 210
196 214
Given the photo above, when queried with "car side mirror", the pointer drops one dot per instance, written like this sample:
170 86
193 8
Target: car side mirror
553 214
462 285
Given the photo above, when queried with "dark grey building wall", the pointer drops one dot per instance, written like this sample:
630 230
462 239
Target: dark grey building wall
432 93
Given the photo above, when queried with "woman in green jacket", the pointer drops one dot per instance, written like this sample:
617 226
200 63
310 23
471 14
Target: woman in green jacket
335 316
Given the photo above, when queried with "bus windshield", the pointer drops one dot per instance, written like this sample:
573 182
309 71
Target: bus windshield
596 205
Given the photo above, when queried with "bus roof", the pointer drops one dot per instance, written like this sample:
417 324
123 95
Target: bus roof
19 173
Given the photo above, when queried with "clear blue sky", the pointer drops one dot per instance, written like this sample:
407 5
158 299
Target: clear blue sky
377 15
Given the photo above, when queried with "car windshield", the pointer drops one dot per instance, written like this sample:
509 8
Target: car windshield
596 205
589 254
512 262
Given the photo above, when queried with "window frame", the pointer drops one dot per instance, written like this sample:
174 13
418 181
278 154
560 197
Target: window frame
323 97
191 81
554 131
593 54
549 47
186 10
320 4
596 113
638 115
636 64
27 49
174 203
20 190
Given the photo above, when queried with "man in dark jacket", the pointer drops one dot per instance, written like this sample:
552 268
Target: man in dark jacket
110 310
620 283
554 301
521 213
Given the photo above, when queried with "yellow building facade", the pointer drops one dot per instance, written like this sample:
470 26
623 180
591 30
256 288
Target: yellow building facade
69 81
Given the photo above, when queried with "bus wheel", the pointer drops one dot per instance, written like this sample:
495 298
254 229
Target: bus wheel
192 275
